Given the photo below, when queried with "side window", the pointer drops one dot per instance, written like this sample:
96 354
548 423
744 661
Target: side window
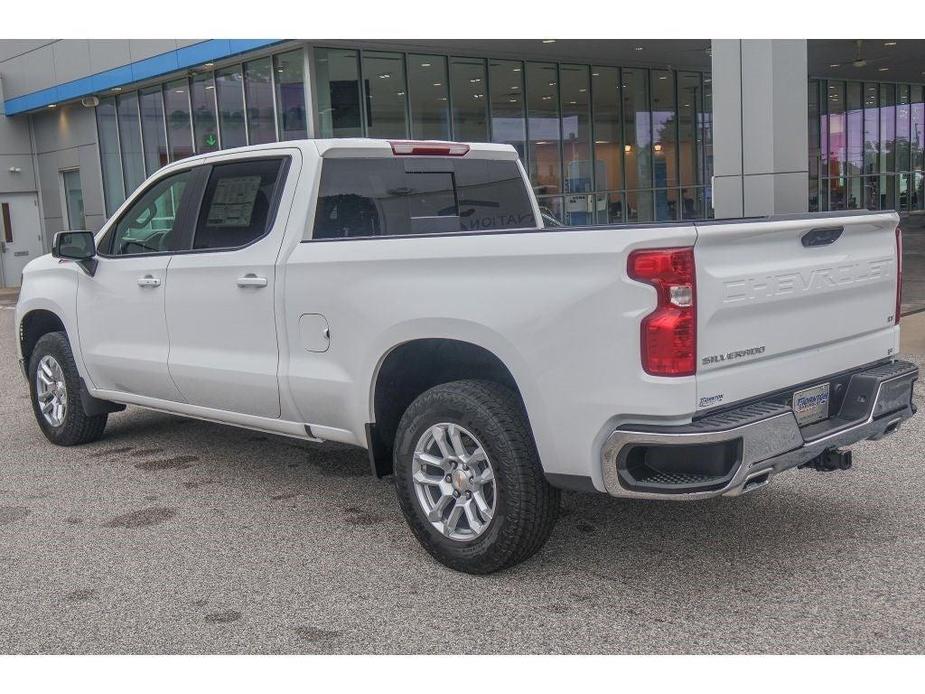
420 195
238 204
149 225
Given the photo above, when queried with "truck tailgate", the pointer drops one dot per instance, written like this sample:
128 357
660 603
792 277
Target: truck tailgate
787 301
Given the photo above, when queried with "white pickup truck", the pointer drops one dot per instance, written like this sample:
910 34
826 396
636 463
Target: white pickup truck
405 297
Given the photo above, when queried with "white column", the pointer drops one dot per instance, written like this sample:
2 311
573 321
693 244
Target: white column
760 135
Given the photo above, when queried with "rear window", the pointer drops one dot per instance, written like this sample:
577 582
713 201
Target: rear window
419 195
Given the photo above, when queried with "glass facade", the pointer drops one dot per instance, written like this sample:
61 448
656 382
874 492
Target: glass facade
601 144
866 146
262 100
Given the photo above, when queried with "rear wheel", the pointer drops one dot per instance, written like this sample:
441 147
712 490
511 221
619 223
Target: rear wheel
469 479
55 387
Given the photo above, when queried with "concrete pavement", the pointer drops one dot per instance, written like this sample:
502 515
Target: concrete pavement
177 536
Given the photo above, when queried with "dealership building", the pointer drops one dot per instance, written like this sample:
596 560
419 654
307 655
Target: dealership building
610 131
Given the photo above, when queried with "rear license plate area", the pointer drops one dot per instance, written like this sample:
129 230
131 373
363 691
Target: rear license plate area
811 404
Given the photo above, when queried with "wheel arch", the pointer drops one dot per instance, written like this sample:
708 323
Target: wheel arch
415 365
34 324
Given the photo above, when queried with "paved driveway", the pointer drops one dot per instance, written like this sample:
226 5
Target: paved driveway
176 536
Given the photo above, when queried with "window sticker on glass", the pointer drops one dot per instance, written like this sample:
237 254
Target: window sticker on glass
233 201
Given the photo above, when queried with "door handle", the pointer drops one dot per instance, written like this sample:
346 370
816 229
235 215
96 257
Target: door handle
251 280
149 281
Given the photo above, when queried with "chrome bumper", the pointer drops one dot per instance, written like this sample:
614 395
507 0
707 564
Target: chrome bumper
762 438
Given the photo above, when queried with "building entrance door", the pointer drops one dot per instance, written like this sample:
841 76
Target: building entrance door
20 235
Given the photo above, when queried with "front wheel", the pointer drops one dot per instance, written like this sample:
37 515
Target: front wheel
469 479
55 387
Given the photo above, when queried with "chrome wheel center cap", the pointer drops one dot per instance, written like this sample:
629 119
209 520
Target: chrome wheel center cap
461 480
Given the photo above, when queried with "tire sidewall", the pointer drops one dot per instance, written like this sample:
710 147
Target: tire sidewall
56 345
440 406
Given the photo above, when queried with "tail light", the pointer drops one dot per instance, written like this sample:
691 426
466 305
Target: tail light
899 275
429 147
669 333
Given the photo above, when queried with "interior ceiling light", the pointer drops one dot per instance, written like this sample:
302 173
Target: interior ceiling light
638 48
834 65
549 40
883 69
889 43
425 64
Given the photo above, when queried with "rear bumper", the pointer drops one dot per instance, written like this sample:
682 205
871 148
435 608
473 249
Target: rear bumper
739 450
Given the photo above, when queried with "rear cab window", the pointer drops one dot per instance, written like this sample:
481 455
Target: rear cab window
420 195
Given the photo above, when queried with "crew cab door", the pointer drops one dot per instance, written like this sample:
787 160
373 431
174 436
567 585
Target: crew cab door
120 309
220 293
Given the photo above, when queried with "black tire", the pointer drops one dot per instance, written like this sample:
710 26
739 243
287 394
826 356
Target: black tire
527 507
77 427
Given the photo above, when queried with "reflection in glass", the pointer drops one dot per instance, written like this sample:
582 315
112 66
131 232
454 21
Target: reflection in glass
887 128
258 98
430 108
608 142
917 128
290 95
575 109
229 87
179 131
205 126
508 115
551 211
836 110
133 164
871 129
664 141
903 122
337 84
690 164
813 127
854 145
153 129
543 127
74 200
887 145
638 206
108 136
384 81
854 124
637 147
706 129
469 92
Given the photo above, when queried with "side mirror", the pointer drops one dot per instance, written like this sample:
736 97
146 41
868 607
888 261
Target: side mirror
76 245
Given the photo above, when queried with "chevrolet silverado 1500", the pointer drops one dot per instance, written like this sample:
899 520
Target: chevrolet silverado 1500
407 297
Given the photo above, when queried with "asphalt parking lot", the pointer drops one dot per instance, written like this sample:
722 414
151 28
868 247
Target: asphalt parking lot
176 536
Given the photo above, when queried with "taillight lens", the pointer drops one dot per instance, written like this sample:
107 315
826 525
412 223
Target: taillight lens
899 274
668 334
429 148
